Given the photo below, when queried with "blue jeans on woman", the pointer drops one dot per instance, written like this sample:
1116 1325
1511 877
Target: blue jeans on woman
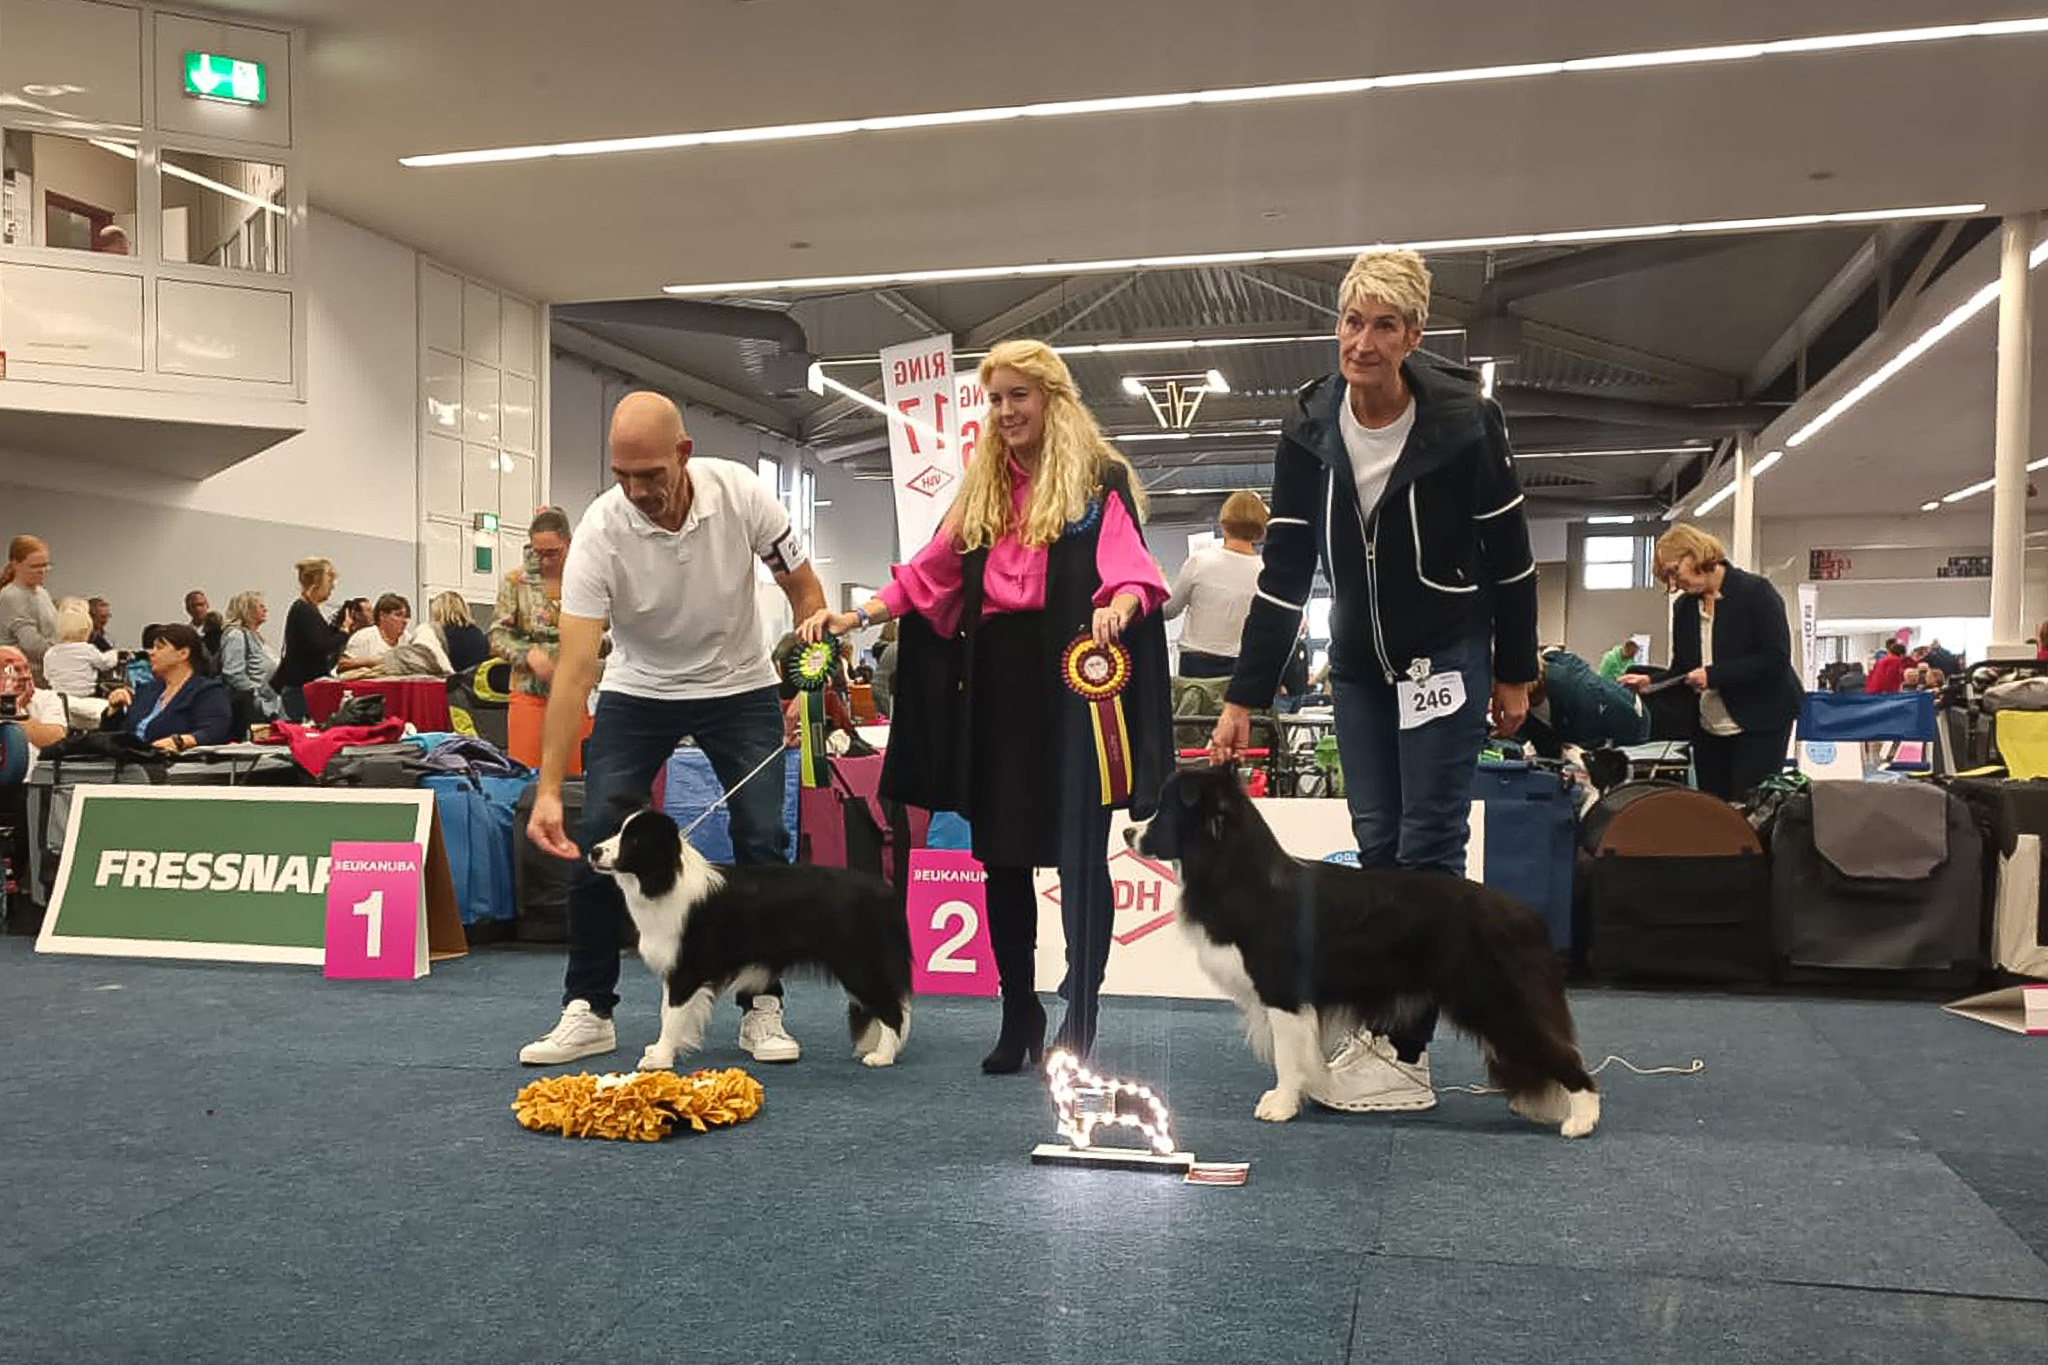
1410 791
629 743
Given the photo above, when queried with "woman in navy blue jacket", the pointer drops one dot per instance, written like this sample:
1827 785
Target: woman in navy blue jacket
181 707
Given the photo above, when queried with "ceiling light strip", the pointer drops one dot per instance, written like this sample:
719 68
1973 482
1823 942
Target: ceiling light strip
1293 90
1038 269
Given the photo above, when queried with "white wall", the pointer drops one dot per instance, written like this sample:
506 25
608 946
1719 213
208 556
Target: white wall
344 488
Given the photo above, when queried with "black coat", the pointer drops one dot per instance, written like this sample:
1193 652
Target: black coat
1752 667
931 738
1443 556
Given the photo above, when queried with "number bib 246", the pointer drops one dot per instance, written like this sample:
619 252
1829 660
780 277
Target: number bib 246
1437 696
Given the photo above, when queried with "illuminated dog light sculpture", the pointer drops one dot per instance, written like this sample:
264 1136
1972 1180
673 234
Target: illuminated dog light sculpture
1084 1102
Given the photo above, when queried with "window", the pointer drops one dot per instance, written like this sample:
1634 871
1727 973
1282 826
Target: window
223 211
770 470
1615 562
73 194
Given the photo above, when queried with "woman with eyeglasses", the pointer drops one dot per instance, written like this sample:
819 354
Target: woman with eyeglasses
526 632
1730 641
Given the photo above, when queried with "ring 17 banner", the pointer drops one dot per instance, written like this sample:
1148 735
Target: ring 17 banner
929 447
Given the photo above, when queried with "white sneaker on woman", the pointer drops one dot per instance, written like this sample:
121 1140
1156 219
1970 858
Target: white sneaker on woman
1367 1077
762 1032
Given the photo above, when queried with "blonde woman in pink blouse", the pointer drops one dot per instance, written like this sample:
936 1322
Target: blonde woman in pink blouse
1041 556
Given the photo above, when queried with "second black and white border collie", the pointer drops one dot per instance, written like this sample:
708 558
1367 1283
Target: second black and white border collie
1295 942
708 928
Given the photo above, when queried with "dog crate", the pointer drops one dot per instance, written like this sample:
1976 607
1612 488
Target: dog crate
1674 887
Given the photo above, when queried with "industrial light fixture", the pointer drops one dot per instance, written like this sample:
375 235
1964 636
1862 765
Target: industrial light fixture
1766 464
1040 269
1711 503
1981 486
1609 521
1521 455
1249 94
1757 471
1175 398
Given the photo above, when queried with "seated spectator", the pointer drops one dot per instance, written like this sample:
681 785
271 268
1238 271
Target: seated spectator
392 647
1888 674
182 707
463 641
101 615
38 711
246 663
73 666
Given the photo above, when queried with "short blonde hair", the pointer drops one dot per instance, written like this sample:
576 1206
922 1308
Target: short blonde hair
1244 515
313 572
1686 539
1397 278
448 609
242 609
74 621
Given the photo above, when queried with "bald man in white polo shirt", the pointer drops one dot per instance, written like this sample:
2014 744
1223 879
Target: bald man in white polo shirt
667 558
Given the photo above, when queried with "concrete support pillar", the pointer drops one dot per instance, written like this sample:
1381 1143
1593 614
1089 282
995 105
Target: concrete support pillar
2011 443
1745 550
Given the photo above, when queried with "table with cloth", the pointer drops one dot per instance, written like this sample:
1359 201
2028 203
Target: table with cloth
422 701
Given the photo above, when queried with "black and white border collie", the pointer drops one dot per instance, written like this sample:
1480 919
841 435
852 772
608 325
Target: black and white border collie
1296 943
708 928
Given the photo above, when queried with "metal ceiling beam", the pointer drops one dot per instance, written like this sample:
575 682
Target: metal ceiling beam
1593 264
903 308
1837 294
1670 417
563 336
1026 311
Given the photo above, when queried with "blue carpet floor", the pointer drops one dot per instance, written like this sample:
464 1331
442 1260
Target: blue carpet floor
228 1164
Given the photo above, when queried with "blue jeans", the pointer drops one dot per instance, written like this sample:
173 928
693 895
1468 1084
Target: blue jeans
1410 791
629 743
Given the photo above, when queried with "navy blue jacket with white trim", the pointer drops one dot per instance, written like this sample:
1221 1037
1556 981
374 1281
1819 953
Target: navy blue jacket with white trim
1445 553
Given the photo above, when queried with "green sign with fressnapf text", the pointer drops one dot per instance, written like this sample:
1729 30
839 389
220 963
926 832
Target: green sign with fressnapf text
222 873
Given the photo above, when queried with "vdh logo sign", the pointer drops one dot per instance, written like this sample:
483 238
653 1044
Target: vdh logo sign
928 481
1142 890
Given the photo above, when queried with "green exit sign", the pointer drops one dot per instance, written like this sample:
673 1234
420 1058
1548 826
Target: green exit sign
228 79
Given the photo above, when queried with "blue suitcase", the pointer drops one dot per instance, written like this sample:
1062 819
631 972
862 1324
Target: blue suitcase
1532 839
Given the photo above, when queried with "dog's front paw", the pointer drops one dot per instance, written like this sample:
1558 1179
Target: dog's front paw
1584 1116
658 1058
879 1058
1278 1106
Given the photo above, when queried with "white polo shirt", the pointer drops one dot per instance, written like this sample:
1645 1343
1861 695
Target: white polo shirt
681 603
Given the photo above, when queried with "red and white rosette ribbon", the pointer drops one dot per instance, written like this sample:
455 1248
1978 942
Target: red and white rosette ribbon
1097 674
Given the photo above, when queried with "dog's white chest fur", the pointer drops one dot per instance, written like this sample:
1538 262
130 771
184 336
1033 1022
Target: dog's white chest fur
662 920
1223 964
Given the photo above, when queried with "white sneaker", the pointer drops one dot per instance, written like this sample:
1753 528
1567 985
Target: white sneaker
1367 1077
762 1033
580 1032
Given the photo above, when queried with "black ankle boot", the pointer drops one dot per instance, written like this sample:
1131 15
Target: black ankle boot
1022 1038
1076 1033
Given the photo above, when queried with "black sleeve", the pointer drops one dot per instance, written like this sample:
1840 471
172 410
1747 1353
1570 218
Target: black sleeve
1505 556
1288 572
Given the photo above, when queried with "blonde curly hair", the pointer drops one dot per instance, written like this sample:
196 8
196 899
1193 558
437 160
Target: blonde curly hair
1070 467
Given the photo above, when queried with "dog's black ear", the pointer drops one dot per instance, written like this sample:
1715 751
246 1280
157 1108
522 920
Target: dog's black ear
1190 791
